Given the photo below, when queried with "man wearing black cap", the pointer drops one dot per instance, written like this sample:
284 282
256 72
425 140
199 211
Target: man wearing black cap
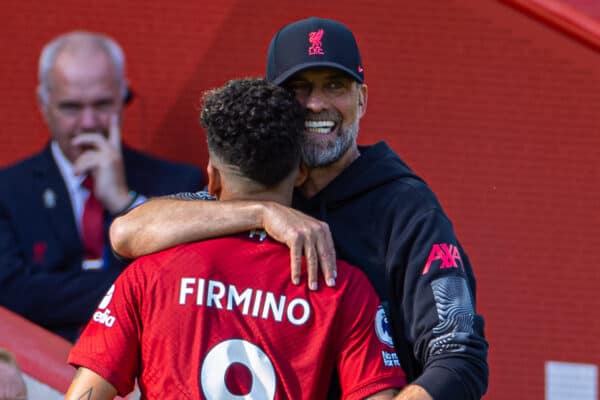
382 216
236 313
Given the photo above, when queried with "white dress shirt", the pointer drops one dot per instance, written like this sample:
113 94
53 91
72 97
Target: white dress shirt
77 193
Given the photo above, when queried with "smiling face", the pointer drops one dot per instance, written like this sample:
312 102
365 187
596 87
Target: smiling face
84 91
335 102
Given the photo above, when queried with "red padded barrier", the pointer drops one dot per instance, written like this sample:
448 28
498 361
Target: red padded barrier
39 353
564 17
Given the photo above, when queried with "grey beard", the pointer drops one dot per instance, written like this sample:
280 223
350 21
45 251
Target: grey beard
314 156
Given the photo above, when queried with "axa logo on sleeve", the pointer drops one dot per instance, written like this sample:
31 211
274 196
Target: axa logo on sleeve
382 329
104 317
448 254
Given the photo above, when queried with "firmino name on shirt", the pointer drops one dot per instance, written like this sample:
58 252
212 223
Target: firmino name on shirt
253 302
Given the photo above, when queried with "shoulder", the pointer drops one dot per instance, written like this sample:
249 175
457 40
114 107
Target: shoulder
183 254
405 198
353 280
354 310
24 166
385 175
18 179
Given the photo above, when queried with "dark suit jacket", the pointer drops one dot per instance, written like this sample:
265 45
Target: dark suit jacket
41 276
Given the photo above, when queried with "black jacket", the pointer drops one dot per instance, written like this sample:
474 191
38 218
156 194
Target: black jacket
386 220
41 252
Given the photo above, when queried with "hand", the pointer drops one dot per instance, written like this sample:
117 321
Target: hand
303 235
104 162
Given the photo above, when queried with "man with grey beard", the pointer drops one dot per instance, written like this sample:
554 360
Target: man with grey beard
382 216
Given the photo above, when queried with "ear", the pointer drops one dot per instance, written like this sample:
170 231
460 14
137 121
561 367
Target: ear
302 175
362 100
214 180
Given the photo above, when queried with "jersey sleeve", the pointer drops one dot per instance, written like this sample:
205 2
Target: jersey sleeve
109 345
367 362
436 315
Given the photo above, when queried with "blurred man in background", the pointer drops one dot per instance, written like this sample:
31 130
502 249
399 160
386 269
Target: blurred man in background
56 206
12 385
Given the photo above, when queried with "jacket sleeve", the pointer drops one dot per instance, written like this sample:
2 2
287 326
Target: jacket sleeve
435 309
51 297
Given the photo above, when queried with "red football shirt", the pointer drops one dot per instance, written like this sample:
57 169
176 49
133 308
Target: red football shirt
220 319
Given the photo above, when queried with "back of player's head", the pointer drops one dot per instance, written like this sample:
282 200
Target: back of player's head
256 127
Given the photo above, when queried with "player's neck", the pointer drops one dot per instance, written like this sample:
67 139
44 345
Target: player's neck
275 195
227 183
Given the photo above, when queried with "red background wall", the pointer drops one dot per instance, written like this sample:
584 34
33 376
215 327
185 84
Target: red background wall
498 111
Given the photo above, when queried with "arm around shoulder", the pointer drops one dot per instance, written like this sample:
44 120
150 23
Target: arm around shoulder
164 222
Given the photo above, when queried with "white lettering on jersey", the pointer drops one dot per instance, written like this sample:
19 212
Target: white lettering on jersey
303 316
214 296
185 288
257 303
104 318
390 359
235 298
297 311
107 298
271 305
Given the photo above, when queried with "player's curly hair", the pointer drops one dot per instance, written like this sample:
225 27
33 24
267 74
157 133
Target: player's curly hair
256 126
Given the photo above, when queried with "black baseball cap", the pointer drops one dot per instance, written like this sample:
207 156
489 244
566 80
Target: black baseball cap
313 42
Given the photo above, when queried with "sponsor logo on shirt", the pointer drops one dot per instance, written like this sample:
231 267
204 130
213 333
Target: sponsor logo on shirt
107 298
448 254
104 317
